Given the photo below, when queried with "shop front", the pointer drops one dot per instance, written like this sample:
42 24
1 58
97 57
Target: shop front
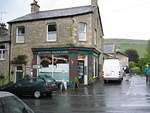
63 64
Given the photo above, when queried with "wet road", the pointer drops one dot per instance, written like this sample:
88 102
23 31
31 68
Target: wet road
129 97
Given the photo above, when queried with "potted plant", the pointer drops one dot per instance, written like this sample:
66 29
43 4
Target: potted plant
90 80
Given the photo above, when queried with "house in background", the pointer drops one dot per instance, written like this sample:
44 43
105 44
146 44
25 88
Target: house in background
4 51
111 51
62 43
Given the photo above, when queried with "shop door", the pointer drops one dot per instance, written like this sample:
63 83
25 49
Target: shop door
81 70
19 73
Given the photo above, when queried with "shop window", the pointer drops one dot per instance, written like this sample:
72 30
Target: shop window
52 32
20 34
82 31
46 60
44 63
61 59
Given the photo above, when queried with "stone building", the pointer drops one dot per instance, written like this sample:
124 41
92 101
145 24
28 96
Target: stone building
4 51
62 43
111 51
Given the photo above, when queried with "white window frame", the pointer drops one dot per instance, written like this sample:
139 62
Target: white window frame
20 38
82 34
52 33
2 54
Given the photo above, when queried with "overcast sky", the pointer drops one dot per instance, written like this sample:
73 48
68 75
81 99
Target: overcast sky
129 19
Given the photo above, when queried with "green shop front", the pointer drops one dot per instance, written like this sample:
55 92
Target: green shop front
63 64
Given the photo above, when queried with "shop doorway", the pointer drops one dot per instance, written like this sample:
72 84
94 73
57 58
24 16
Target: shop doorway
83 69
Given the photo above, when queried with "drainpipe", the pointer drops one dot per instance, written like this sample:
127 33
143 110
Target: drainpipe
10 52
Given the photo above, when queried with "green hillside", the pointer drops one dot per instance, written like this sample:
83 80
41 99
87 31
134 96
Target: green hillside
140 49
125 44
126 41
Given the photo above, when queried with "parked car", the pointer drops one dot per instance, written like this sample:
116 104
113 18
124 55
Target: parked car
9 103
50 79
112 70
36 86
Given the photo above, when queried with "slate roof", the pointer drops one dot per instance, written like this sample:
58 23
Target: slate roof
118 52
55 13
109 48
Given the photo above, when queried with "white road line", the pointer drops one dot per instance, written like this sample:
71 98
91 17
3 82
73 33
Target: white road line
131 85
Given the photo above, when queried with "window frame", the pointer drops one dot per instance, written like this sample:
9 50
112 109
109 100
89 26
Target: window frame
20 36
53 32
80 38
3 52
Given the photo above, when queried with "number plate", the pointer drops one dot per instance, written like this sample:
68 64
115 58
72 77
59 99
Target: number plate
107 75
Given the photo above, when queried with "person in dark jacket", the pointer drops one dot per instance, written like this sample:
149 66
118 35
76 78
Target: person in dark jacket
147 73
127 72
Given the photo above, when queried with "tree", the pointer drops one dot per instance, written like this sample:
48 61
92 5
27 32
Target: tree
133 55
142 62
20 60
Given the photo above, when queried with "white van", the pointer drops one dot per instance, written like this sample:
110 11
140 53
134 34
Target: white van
112 70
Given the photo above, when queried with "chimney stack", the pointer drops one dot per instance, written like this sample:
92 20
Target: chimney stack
94 2
3 29
34 7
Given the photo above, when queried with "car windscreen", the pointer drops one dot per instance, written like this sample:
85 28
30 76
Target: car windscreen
11 104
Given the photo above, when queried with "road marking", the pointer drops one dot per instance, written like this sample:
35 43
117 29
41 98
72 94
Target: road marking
131 85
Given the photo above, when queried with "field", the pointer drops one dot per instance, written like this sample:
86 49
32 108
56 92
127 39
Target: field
125 44
140 49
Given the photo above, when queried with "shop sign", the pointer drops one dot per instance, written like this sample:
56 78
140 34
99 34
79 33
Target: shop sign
59 52
53 52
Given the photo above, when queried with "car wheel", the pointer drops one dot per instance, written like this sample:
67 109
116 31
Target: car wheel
105 81
120 81
37 94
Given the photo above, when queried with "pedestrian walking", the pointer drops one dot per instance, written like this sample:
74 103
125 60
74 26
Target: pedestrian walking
127 73
147 74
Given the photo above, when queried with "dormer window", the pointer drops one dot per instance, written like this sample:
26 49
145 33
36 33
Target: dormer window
51 32
20 34
82 31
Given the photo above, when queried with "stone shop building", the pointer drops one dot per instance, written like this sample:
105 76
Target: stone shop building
62 43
